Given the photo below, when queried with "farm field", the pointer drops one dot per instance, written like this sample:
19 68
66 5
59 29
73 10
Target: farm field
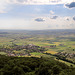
23 43
3 53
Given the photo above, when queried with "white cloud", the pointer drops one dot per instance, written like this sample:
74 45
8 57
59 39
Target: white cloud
1 11
14 23
4 3
67 18
20 23
54 17
51 12
74 18
2 6
59 23
40 1
39 20
70 5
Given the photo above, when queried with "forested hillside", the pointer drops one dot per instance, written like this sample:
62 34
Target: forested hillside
33 66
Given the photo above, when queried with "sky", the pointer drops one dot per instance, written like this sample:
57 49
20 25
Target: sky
37 14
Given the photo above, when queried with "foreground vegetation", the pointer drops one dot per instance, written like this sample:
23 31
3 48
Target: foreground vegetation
55 45
33 66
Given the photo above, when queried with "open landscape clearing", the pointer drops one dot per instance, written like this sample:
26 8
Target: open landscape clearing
39 43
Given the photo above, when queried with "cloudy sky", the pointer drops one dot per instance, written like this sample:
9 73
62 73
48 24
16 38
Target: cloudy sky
37 14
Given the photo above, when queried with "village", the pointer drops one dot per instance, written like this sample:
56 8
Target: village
23 50
66 55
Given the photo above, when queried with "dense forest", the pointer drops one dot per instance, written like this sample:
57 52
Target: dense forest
33 66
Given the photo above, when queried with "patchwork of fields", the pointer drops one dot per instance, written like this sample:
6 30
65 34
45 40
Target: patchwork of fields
53 42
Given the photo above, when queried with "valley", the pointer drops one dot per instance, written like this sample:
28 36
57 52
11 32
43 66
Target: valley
39 43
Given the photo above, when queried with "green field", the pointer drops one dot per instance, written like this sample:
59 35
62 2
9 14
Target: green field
3 53
53 41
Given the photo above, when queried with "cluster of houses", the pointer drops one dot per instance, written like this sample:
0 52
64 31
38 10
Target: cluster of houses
27 50
18 54
67 55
